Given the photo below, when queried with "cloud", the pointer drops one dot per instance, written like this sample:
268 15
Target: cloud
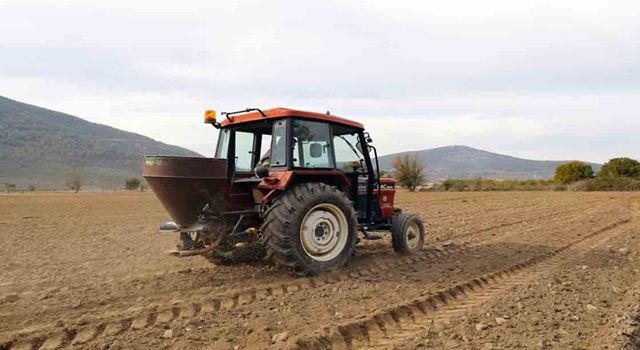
543 79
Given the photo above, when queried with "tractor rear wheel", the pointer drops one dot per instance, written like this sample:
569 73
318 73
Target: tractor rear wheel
311 228
407 234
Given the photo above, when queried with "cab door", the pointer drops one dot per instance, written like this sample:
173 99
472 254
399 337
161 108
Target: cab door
350 159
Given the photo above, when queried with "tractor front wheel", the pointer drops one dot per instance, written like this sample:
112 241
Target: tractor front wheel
407 234
311 228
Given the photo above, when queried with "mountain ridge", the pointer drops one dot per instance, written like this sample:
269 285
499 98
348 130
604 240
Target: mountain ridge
464 162
39 147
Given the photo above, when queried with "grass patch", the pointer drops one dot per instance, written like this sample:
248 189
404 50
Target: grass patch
496 185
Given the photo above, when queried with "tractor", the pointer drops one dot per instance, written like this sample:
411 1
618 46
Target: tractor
294 187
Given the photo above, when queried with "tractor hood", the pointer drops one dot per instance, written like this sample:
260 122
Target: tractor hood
184 185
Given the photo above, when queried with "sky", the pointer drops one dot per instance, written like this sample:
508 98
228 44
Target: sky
535 79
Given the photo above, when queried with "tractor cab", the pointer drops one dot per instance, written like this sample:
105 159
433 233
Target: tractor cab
279 148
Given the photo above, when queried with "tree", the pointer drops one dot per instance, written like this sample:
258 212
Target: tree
74 181
621 167
573 171
32 187
9 187
408 171
132 183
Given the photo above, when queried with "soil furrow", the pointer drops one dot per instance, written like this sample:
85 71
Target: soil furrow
211 304
405 319
93 276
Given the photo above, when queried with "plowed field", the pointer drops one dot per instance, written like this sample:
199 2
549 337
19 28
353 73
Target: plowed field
503 270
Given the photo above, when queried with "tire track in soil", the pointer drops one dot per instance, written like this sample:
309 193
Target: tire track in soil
547 213
402 321
228 300
467 213
166 314
372 250
560 221
464 305
237 298
515 210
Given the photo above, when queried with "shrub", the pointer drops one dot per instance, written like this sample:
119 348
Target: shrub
559 188
74 181
132 184
581 185
573 171
9 187
620 167
496 185
456 185
32 188
408 171
611 184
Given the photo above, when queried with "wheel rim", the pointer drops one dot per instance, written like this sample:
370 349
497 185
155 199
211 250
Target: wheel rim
412 236
324 232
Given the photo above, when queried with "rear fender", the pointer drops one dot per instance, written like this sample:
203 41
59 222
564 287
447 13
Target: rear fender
282 180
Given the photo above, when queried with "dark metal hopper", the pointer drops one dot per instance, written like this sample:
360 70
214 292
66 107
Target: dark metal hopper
184 185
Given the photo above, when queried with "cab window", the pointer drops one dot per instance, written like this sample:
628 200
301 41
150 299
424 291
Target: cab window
278 152
348 155
312 145
223 144
244 151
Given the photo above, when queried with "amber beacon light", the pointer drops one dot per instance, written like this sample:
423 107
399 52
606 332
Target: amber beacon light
210 116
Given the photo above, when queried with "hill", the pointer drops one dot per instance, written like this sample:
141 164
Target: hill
39 146
462 162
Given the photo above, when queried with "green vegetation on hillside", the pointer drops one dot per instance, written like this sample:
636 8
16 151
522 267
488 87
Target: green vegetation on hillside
40 147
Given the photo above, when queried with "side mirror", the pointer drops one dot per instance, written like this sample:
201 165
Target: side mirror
315 150
367 137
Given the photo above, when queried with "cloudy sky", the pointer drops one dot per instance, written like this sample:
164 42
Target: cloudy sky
537 79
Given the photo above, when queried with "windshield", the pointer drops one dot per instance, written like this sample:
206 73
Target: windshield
348 156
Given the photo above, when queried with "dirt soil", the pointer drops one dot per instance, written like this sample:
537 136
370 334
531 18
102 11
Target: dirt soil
501 270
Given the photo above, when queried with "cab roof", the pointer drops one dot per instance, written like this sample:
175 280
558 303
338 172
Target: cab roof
279 112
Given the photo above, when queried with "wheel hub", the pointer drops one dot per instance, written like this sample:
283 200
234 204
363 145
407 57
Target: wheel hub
323 232
412 236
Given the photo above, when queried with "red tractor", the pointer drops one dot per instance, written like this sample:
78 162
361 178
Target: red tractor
291 186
